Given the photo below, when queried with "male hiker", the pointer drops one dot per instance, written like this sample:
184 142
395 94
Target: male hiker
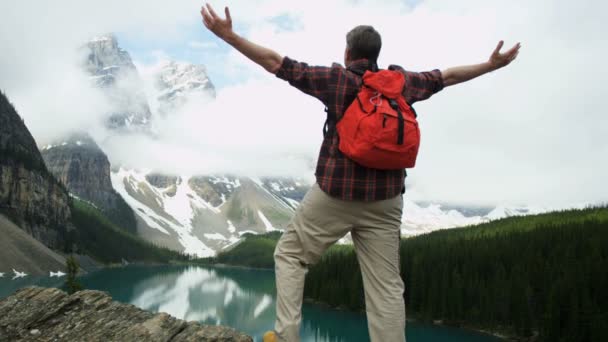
349 197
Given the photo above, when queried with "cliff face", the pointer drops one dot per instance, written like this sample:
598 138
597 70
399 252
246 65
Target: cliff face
51 315
29 194
84 169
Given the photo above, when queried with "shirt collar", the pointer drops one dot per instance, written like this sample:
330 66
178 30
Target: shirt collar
359 65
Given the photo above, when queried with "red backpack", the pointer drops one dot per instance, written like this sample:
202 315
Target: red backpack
379 129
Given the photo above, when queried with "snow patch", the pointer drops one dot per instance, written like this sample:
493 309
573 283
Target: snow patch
275 186
293 203
231 227
215 236
269 227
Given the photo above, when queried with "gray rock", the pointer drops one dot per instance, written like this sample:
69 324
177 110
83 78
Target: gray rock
93 316
29 194
176 82
80 164
162 181
112 70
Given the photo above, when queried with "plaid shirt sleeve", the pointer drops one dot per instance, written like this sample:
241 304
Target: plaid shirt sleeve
312 80
420 86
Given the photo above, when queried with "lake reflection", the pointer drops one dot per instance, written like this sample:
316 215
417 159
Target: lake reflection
207 296
240 298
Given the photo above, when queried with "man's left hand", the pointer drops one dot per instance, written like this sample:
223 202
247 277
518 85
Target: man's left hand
220 27
498 60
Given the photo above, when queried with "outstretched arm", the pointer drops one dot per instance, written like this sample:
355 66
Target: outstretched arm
497 60
267 58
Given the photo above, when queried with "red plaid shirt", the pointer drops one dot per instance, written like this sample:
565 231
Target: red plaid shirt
337 87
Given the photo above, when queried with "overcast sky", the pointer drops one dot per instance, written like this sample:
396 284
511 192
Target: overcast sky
533 133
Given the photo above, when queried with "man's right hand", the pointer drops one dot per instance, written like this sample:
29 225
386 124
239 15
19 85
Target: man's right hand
220 27
266 58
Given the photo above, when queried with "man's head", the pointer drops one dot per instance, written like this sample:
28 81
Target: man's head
362 42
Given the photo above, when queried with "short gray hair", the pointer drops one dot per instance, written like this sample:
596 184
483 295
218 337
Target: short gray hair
364 42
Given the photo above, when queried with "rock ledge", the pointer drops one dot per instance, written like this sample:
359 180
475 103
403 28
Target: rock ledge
48 314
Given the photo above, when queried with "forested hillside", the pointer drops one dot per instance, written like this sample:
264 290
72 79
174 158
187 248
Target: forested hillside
542 275
96 236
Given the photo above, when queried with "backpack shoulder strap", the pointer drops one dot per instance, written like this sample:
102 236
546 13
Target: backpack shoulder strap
332 118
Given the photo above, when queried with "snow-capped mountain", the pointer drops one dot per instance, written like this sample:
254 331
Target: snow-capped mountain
201 215
424 218
502 211
418 219
177 81
112 69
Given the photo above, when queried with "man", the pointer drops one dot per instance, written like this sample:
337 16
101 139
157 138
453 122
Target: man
347 197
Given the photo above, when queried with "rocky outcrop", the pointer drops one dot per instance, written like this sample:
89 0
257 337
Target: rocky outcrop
168 183
214 189
29 194
39 314
162 181
84 169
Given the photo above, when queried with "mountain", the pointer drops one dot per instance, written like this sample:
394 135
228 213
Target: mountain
425 217
29 194
203 214
112 69
176 82
84 169
419 219
503 211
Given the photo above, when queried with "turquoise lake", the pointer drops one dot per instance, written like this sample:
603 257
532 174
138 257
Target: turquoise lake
236 297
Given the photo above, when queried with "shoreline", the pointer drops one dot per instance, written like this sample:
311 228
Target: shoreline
439 323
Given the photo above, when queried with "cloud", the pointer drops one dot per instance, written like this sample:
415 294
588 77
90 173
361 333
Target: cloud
238 132
532 133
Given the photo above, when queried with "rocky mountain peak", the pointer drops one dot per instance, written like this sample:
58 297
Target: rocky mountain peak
106 59
112 70
176 81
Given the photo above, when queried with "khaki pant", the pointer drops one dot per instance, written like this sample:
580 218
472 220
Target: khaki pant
318 223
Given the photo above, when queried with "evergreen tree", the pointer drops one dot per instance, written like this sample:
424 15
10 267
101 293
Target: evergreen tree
72 267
